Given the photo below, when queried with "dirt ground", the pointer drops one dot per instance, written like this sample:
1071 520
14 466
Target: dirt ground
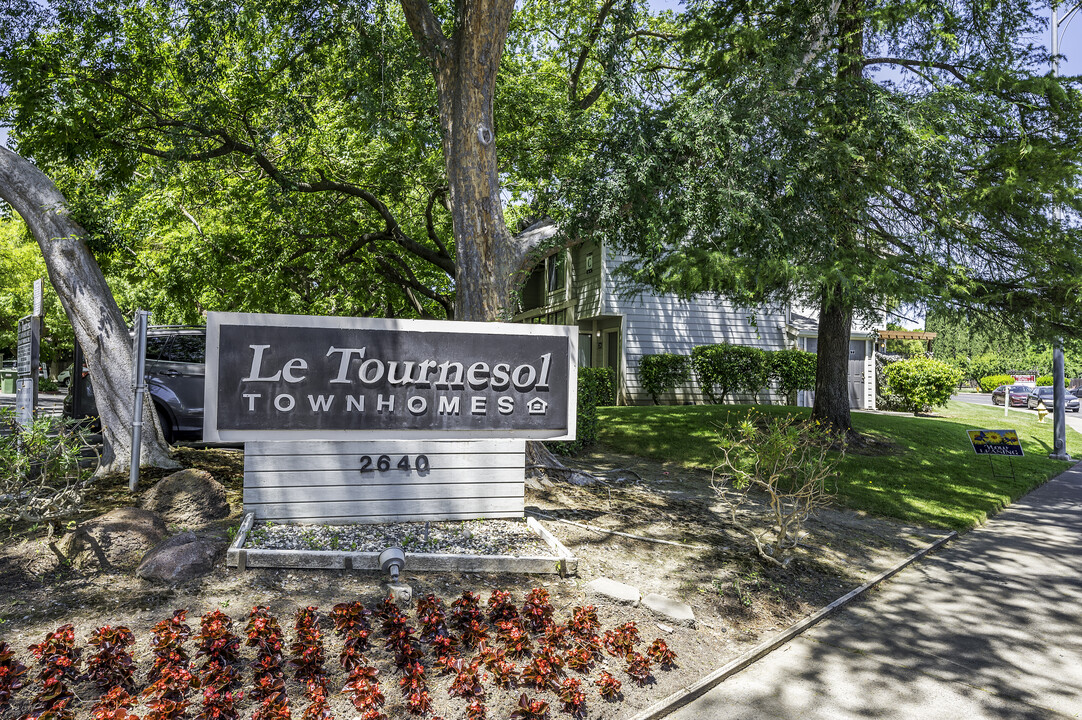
737 600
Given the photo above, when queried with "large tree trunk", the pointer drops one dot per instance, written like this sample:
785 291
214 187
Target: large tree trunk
465 67
99 327
488 260
835 308
832 363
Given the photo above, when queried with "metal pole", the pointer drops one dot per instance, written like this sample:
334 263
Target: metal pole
1059 395
139 385
1059 412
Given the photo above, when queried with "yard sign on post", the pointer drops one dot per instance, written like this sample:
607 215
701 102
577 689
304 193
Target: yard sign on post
1004 443
349 419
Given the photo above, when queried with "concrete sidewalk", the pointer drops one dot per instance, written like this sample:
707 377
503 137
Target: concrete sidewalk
991 627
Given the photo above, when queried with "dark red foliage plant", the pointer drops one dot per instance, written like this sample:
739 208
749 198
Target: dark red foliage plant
579 659
264 633
622 640
273 707
58 659
500 606
307 650
475 632
168 693
530 709
572 697
584 622
476 710
57 654
216 641
660 653
467 683
115 705
111 666
465 610
608 686
167 644
638 668
513 634
544 671
537 610
365 694
557 636
12 674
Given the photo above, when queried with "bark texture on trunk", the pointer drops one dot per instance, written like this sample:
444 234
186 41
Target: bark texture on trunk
832 364
465 67
93 313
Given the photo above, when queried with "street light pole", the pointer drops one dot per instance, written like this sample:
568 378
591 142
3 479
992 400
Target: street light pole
1059 395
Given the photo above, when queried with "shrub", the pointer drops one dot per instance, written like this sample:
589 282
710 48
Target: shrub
663 372
792 370
787 459
723 368
921 383
1047 380
595 388
989 383
40 477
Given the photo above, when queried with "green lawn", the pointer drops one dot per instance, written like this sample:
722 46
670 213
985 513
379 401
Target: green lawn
932 476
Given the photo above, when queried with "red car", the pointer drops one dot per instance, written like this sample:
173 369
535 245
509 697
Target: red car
1019 394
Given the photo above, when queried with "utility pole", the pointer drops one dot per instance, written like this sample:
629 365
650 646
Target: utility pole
1059 394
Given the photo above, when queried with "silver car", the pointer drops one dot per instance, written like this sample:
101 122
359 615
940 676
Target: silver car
175 373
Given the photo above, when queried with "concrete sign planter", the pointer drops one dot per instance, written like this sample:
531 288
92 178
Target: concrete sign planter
560 561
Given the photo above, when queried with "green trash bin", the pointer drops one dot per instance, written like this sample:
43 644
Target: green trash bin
7 381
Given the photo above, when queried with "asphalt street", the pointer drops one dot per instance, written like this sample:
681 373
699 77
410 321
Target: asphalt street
1074 420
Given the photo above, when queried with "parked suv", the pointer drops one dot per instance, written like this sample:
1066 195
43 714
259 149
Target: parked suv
175 369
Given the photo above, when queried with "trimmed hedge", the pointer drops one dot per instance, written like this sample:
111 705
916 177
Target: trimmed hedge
989 383
792 370
663 372
1049 381
723 368
596 387
919 384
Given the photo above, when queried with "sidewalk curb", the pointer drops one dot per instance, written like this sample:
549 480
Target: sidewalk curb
692 692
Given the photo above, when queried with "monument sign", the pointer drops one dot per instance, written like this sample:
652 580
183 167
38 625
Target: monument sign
369 420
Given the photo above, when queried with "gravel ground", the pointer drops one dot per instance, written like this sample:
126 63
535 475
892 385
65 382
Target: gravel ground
476 537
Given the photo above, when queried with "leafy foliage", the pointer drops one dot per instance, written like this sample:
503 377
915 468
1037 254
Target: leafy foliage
40 476
725 368
792 370
663 372
595 389
921 383
989 383
790 461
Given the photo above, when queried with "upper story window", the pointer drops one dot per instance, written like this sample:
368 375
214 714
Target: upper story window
554 269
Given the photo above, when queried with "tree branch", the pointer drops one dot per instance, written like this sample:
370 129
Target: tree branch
427 31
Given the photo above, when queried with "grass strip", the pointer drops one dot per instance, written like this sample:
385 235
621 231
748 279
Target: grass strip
922 470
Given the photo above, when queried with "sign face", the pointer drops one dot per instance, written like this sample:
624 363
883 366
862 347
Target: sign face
29 339
1025 378
995 442
291 377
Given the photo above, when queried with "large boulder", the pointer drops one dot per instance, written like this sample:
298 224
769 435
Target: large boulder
181 558
189 498
117 539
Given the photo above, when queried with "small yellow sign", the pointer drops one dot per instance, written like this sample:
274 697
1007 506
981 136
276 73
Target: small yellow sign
995 442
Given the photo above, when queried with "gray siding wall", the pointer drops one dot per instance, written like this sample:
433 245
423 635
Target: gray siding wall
664 323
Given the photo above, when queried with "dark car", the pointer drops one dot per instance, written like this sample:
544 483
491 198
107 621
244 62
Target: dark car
1045 393
175 369
1019 394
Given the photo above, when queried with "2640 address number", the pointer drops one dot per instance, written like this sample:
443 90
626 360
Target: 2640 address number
383 463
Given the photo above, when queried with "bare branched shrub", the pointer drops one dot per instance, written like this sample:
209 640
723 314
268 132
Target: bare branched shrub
40 477
789 461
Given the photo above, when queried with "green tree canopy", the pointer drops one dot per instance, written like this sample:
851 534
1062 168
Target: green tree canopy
851 155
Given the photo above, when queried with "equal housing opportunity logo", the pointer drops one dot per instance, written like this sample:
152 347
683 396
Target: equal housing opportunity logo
298 377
